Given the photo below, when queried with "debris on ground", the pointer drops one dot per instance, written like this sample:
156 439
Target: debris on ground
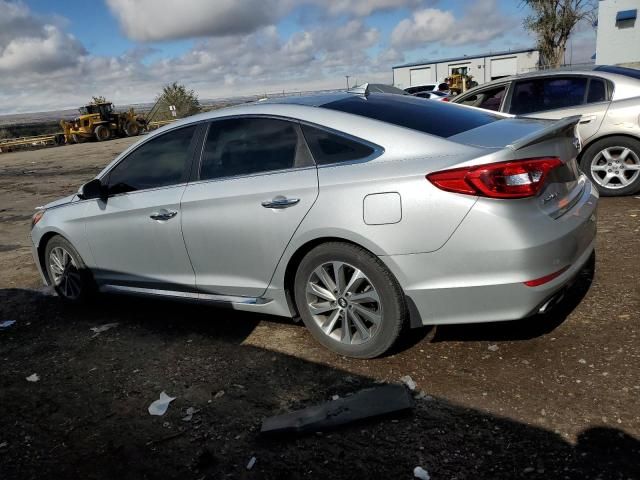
219 394
103 328
251 463
368 403
34 377
190 413
335 397
4 444
493 348
408 381
7 323
420 473
159 407
423 396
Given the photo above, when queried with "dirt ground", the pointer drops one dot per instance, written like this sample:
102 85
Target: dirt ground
554 396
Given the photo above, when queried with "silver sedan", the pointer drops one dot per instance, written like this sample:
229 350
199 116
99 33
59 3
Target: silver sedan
606 97
359 213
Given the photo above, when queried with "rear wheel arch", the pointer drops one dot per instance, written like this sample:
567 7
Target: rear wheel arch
605 137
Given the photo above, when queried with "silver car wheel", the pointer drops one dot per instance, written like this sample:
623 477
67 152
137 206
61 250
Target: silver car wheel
615 167
344 303
65 273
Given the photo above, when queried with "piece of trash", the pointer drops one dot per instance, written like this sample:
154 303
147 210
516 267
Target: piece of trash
421 473
423 396
190 412
219 394
159 407
7 323
368 403
493 348
4 444
103 328
34 377
408 381
335 397
251 463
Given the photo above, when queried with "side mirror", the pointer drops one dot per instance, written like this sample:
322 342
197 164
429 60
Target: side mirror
93 189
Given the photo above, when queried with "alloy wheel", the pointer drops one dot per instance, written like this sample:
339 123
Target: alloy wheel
65 273
615 167
344 303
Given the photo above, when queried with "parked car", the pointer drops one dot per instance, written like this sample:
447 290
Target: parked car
607 98
382 88
359 213
428 87
434 95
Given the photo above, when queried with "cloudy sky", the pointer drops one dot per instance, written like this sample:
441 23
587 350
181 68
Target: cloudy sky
58 54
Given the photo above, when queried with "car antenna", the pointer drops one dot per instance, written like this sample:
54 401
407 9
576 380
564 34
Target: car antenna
362 90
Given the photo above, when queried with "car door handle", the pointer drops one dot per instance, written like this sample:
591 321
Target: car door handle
280 202
588 118
163 215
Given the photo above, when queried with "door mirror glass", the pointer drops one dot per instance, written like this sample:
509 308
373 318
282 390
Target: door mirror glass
92 189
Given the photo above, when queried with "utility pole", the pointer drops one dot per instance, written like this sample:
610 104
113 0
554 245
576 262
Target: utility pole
347 77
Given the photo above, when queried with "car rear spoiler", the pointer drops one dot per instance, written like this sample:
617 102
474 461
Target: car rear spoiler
562 128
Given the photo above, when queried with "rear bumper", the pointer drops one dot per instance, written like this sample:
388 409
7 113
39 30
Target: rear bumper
479 275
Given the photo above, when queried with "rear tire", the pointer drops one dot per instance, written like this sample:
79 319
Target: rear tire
67 273
613 165
348 299
132 129
102 133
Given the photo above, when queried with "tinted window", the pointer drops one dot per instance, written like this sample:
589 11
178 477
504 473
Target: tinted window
159 162
488 99
331 148
627 72
597 91
542 94
435 118
244 146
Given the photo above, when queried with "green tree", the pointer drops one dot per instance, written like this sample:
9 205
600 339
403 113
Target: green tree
185 102
552 21
98 99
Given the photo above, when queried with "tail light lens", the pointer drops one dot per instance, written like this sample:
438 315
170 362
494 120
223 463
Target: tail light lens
513 179
446 100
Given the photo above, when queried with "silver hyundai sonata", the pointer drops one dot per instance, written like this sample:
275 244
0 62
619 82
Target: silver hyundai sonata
360 213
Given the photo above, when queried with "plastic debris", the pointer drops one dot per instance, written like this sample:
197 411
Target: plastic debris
335 397
493 348
159 407
421 473
190 413
34 377
251 463
7 323
423 396
4 444
408 381
219 394
103 328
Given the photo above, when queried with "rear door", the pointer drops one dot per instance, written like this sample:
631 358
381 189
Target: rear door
557 96
256 182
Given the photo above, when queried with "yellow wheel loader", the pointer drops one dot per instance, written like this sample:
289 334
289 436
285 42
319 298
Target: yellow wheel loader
98 121
460 80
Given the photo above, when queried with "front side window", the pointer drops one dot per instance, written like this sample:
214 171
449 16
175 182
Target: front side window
327 147
245 146
538 95
489 99
160 162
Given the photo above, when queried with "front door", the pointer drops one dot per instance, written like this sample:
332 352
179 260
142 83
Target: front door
256 183
135 236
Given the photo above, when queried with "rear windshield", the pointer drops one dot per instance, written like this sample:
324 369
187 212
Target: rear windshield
627 72
435 118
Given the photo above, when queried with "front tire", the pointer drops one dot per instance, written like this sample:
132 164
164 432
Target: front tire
613 165
348 299
67 272
102 133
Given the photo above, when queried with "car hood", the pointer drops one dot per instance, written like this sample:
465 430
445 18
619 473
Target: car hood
60 202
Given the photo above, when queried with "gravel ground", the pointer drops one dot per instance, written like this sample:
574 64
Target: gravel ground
553 396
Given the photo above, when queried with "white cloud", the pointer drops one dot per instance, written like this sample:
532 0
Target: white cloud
363 8
481 23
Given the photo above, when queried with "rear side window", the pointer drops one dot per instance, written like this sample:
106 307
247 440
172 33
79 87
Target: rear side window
244 146
435 118
489 99
597 91
160 162
542 94
329 148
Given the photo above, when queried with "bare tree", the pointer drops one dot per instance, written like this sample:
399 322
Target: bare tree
98 99
553 21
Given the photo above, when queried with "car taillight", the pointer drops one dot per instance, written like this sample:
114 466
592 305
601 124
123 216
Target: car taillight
512 179
445 100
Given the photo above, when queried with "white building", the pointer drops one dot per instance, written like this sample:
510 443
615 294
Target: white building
618 40
484 67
